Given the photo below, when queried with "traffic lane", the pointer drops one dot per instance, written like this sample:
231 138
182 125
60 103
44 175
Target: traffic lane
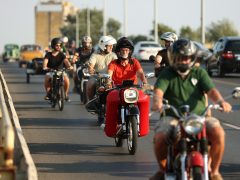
69 143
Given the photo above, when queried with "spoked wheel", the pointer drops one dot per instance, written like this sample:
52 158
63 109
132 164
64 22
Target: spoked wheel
60 98
132 135
118 142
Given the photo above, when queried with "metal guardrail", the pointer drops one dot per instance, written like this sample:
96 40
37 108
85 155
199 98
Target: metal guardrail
16 162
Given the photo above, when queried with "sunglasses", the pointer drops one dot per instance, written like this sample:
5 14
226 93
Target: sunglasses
58 45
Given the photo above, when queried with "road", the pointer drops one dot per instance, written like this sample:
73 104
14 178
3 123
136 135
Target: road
70 145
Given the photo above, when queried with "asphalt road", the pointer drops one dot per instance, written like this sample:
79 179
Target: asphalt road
70 145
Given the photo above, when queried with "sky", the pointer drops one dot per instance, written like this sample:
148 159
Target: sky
17 16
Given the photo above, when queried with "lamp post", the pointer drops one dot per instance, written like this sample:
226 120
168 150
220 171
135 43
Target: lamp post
125 18
104 18
155 22
77 28
202 22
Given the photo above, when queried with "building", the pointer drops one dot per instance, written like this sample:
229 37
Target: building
49 18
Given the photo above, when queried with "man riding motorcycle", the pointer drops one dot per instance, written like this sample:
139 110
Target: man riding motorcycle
99 61
81 57
55 59
161 59
125 67
182 82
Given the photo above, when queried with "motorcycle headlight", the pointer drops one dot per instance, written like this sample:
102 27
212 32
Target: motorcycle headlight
59 73
193 124
131 95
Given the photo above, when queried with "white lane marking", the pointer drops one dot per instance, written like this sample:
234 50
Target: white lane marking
232 126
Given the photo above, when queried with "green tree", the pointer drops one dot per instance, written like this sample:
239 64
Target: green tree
221 28
188 32
113 28
96 29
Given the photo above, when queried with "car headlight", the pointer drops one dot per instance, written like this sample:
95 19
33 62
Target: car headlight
130 95
193 124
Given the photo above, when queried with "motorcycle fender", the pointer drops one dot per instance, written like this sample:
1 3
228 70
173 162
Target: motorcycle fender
133 111
195 158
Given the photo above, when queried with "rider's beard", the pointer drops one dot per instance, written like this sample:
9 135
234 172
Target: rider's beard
124 56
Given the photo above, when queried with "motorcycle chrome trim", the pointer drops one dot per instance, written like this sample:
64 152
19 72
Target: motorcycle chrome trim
183 165
122 118
205 160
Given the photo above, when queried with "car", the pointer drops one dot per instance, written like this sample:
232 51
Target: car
11 51
204 54
28 52
144 49
226 56
34 67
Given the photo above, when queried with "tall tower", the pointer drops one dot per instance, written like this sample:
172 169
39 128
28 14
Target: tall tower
49 18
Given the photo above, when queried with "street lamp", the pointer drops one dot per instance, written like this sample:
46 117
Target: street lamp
155 22
202 22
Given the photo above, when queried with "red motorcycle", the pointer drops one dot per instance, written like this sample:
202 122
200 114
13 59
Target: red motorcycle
127 114
189 159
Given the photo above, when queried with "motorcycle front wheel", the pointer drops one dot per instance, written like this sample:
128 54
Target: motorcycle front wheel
197 173
60 98
84 93
132 134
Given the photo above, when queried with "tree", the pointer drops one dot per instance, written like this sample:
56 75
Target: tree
113 28
96 20
188 32
219 29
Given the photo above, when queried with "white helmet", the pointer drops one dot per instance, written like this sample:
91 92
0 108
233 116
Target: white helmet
106 40
65 39
169 36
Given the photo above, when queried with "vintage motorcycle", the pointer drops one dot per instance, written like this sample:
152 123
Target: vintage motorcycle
83 77
127 114
57 89
97 105
189 159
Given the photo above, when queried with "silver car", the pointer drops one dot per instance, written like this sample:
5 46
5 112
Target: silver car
144 49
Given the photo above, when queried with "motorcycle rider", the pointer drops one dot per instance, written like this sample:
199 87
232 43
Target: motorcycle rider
183 82
125 67
81 56
161 59
99 61
55 59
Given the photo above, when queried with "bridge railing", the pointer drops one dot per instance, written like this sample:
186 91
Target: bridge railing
15 158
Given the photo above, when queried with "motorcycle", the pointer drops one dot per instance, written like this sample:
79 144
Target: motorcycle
83 77
57 89
97 105
127 114
189 158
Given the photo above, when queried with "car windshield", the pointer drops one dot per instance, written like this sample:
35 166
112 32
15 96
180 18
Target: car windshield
233 46
150 45
11 46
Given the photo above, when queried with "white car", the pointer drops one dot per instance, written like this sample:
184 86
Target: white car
144 49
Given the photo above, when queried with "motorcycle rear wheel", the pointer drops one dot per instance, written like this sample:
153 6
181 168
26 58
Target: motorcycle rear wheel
84 93
132 134
60 98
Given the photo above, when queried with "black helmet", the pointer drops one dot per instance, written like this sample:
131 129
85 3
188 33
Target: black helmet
124 42
180 48
55 41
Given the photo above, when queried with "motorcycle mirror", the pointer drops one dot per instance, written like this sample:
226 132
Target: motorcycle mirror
149 75
236 93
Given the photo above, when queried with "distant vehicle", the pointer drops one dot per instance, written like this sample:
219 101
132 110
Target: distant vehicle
11 51
29 52
144 49
226 56
204 53
34 67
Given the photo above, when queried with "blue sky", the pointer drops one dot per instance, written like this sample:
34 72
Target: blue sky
17 16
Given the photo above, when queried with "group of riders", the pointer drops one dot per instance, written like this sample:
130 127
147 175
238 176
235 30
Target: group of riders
179 80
